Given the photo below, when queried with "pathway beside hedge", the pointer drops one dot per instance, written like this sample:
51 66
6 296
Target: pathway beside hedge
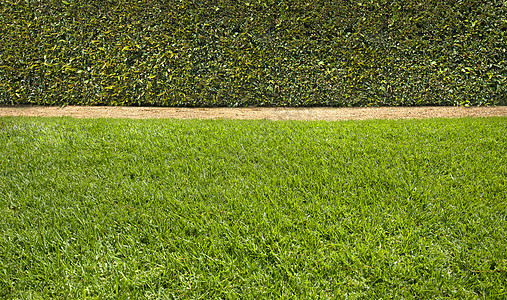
269 113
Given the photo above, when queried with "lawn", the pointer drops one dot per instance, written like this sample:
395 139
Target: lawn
101 208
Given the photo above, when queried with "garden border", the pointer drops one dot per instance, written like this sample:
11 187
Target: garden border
268 113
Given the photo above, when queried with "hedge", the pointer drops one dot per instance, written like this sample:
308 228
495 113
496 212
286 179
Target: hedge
253 52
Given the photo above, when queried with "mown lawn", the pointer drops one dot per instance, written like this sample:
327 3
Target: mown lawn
253 209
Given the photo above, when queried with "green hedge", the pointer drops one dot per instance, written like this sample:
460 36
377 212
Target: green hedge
253 52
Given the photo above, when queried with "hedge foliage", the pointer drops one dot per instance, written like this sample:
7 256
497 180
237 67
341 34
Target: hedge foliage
253 52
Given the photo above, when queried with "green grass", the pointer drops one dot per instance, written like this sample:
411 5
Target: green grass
253 209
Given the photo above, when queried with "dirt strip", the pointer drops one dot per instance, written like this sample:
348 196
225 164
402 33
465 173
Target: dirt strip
270 113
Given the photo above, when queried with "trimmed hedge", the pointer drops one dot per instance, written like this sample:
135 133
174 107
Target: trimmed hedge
253 52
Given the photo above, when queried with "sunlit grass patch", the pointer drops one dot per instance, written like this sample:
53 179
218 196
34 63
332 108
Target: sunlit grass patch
251 209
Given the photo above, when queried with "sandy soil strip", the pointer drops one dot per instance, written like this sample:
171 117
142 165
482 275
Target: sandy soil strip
270 113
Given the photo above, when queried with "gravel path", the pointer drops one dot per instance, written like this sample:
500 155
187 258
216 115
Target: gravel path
270 113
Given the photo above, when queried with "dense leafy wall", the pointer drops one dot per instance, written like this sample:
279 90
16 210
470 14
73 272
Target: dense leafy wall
253 52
